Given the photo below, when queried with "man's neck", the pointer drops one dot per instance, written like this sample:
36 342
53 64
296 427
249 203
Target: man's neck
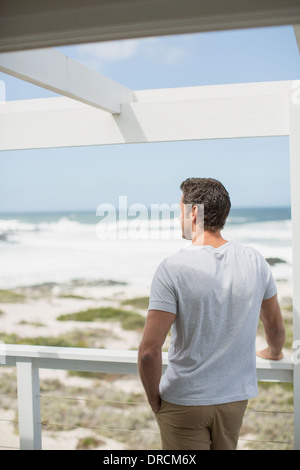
208 238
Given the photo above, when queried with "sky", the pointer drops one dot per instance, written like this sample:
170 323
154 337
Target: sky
255 171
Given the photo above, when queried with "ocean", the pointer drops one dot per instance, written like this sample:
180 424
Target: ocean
59 247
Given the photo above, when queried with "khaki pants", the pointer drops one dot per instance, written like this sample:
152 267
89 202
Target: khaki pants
211 427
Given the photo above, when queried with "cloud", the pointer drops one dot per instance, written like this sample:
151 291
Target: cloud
169 51
97 55
110 51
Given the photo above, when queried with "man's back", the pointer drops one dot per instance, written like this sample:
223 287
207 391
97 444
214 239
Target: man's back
216 294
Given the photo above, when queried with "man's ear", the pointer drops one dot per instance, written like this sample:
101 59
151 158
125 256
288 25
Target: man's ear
194 213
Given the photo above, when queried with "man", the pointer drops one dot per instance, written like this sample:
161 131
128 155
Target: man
211 293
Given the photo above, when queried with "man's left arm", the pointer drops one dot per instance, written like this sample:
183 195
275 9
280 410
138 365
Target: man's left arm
157 326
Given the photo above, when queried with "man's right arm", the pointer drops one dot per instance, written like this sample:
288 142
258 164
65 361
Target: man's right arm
272 321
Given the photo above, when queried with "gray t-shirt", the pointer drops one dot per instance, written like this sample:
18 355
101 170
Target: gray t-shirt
216 295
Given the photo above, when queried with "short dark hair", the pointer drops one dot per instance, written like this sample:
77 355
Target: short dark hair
213 195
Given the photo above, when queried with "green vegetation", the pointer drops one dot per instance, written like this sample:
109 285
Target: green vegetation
105 410
8 296
268 422
89 338
137 302
63 341
89 442
35 323
108 411
129 320
73 296
102 408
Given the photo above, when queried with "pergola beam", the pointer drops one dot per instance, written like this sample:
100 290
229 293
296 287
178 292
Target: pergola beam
54 71
33 24
208 112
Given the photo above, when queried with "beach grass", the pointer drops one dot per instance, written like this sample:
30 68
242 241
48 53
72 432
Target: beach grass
137 302
10 296
73 296
107 411
89 442
88 338
269 421
62 341
129 320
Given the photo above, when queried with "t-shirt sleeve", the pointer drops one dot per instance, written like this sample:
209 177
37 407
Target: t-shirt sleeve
271 288
163 294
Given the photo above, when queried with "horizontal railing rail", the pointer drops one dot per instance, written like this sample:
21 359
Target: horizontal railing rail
29 359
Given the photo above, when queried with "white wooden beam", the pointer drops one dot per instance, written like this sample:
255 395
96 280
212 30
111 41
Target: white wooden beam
220 111
29 409
119 361
50 69
297 34
48 23
295 198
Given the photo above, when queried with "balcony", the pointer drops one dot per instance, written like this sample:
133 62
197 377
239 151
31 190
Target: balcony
29 359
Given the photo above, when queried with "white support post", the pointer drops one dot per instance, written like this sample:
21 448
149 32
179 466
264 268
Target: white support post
295 203
29 405
50 69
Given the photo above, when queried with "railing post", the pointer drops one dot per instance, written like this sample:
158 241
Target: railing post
29 404
295 204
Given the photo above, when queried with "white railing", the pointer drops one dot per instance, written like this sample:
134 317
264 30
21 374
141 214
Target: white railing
29 359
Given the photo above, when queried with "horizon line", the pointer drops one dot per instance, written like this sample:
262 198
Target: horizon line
56 211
